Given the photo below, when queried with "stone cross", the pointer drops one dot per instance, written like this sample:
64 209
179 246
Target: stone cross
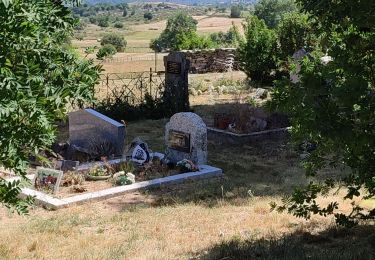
186 138
88 127
176 95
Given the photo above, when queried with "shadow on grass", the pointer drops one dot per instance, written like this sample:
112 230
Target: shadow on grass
265 169
356 243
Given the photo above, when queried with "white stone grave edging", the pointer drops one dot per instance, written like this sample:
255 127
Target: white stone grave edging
55 203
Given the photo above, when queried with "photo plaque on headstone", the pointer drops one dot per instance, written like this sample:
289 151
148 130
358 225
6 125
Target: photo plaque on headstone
173 67
179 141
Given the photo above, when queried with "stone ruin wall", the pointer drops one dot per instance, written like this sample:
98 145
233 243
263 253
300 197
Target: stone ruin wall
214 60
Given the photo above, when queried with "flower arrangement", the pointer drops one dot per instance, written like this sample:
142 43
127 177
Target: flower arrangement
187 166
98 173
122 179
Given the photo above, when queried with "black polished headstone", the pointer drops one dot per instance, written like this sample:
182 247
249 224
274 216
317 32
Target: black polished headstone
88 127
176 94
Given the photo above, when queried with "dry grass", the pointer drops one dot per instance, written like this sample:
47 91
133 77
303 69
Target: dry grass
139 36
212 219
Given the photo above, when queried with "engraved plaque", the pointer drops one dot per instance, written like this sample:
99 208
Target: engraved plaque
173 67
179 141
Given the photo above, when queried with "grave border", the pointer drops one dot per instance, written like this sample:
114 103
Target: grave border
53 203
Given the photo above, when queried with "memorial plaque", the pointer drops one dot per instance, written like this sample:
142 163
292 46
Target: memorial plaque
179 141
173 67
47 179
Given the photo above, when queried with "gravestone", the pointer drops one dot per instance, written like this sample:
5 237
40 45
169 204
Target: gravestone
87 127
186 138
176 94
297 58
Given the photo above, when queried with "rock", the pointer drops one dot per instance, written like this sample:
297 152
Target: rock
256 124
326 59
261 93
216 60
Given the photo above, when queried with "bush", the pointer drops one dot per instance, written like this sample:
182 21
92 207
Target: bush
235 11
121 109
118 25
271 11
148 16
294 33
103 21
106 51
257 52
180 33
332 106
228 39
93 20
116 40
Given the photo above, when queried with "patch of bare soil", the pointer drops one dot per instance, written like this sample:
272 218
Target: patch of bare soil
85 187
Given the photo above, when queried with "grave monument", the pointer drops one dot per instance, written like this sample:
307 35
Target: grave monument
88 127
186 138
176 94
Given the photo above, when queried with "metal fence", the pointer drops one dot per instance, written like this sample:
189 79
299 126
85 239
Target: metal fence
131 87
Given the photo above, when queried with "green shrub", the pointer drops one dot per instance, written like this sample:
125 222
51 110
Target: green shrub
116 40
103 21
228 39
148 16
257 52
118 25
235 11
120 109
106 51
93 20
294 32
180 28
271 11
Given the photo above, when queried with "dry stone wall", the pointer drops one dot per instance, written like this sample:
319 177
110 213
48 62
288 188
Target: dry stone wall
213 60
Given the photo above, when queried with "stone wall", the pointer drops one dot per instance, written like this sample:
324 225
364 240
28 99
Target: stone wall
213 60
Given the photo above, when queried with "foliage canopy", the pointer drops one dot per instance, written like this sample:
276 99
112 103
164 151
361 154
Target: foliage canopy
271 11
39 77
258 51
116 40
333 107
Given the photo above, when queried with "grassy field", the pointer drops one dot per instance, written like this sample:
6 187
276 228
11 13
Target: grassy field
226 218
139 36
